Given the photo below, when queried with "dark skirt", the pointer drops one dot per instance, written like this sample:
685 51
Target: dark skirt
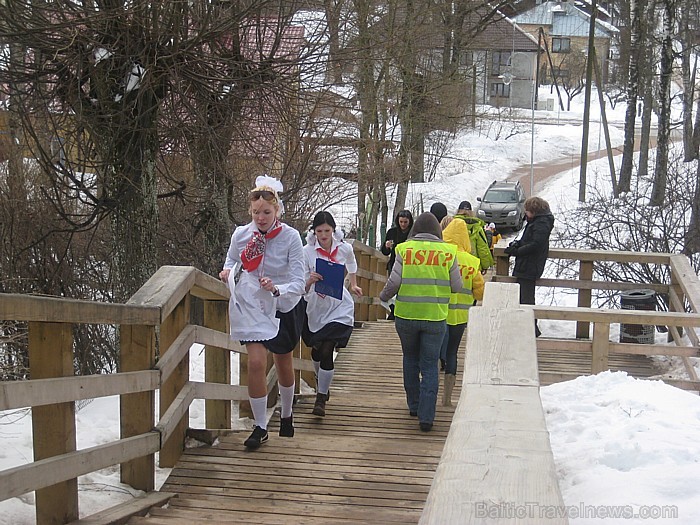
289 333
336 332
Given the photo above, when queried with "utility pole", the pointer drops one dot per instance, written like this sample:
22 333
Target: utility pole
587 103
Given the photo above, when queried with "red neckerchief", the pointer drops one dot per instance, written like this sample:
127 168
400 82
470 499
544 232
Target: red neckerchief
329 255
253 253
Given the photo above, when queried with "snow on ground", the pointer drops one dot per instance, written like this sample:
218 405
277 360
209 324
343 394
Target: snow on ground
626 450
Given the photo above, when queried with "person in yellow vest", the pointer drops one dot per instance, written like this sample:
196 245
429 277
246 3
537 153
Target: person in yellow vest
472 290
424 276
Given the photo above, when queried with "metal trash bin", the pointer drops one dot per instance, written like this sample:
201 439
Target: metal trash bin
637 300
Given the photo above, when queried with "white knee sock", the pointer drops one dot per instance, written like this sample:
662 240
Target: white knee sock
286 399
324 380
259 407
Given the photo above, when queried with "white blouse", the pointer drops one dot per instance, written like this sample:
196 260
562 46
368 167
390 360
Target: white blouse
323 309
252 309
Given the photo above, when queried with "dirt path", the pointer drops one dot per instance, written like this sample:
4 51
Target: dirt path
543 171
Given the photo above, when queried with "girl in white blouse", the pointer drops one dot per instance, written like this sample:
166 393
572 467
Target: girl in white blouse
329 320
266 310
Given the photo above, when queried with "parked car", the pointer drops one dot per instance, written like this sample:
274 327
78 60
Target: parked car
503 204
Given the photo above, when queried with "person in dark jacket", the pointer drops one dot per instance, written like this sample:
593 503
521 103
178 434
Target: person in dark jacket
395 236
439 210
532 249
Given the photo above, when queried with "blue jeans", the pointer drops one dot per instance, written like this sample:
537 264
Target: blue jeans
451 342
420 342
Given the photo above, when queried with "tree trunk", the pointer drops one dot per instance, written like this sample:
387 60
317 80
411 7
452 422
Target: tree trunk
335 69
625 179
658 191
688 87
692 235
645 133
134 189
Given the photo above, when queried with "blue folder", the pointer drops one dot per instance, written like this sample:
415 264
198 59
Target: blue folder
333 278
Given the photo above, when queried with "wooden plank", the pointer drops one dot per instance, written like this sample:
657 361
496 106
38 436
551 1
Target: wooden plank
497 452
17 307
170 421
585 273
53 426
210 288
572 345
170 389
497 347
37 392
602 255
217 366
687 279
120 514
172 357
605 315
137 410
45 472
216 391
599 360
165 289
589 285
501 295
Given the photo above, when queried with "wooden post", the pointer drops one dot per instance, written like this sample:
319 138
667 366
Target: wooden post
244 409
53 426
502 265
364 262
137 411
217 366
585 273
273 394
373 289
308 376
169 330
601 347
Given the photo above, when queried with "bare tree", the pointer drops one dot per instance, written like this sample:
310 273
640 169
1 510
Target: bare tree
636 8
658 190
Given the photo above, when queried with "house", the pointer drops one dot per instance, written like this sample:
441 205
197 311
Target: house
503 59
565 28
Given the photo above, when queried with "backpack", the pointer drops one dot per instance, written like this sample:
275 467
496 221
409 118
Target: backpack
489 237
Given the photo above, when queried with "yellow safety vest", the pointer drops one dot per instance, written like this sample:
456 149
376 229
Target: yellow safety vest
425 290
461 301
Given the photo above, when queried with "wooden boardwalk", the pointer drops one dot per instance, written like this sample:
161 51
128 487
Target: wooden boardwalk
365 462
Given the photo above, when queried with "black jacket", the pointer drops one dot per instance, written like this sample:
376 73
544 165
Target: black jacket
532 249
395 234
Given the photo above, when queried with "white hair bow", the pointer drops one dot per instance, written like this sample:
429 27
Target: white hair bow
271 182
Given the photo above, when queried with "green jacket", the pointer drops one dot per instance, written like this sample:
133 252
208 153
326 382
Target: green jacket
477 236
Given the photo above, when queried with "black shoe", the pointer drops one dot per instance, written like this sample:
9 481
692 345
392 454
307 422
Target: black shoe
413 413
320 405
286 427
257 438
426 427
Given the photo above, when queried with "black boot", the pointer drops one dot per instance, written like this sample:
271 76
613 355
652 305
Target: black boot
320 405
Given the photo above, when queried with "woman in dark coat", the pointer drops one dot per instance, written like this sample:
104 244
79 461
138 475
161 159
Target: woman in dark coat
395 236
532 249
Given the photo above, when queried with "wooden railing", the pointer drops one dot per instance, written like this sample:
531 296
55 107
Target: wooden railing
155 337
497 464
683 292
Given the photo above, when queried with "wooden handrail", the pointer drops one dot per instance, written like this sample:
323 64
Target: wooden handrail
684 286
161 302
497 452
47 309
